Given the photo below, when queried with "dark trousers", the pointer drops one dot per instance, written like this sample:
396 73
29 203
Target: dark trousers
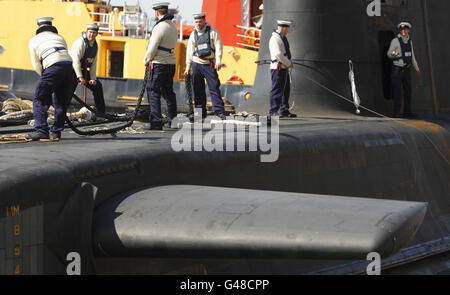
401 83
161 84
97 91
56 80
201 72
281 90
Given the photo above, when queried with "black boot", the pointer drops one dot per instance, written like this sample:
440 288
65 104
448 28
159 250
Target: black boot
36 136
55 136
155 127
288 115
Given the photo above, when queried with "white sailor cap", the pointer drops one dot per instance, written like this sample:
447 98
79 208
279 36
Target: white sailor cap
160 5
284 23
199 15
44 20
404 25
92 27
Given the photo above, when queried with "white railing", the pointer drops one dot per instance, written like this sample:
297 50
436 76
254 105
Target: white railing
106 23
246 28
247 45
255 43
249 37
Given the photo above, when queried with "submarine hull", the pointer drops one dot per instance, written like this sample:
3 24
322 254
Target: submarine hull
69 190
132 204
327 34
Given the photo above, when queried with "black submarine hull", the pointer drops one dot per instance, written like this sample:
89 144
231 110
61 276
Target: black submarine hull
65 189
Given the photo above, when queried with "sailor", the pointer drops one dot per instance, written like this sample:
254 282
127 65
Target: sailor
51 60
281 63
160 56
401 52
204 54
84 55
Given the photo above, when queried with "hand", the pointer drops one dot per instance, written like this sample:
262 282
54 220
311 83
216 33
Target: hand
419 72
292 65
92 82
149 66
218 67
395 54
81 81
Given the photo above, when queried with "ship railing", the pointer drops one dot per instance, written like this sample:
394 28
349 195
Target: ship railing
106 22
251 37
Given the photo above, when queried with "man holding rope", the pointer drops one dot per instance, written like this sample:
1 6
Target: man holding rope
281 63
51 60
160 56
84 55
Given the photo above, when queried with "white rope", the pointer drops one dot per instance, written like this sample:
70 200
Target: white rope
343 97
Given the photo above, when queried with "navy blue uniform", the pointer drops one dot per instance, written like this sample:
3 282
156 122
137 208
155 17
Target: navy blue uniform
161 84
161 53
55 79
401 83
281 84
280 93
50 59
97 91
401 79
200 72
203 55
84 56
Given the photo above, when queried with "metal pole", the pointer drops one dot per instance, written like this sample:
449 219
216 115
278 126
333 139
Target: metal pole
430 57
181 29
114 24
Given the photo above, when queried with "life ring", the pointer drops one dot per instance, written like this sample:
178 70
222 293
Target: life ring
252 33
234 78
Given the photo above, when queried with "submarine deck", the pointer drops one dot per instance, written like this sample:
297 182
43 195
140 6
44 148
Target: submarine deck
343 155
72 146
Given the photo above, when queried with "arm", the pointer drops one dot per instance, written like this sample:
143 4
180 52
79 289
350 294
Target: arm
77 52
153 44
189 52
35 61
275 46
394 49
219 48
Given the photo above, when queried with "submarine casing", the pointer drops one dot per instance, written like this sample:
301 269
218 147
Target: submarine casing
326 34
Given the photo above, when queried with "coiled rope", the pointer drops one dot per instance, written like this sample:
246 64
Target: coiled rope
115 129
